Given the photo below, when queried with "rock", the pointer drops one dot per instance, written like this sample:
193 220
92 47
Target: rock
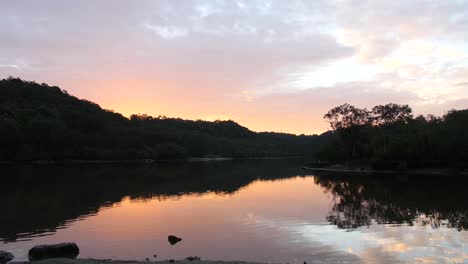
63 250
5 257
173 240
195 258
171 261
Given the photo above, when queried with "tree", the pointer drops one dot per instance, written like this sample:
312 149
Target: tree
38 121
346 116
348 121
9 137
390 135
390 113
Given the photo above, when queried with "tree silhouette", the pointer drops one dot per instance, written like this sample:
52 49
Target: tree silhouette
389 136
390 113
42 122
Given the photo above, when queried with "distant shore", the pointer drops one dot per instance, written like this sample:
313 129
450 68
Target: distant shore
435 172
94 261
136 161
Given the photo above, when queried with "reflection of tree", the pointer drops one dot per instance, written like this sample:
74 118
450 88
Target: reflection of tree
360 200
37 200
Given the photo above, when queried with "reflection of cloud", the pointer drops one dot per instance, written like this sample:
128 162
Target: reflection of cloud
416 244
379 255
397 247
384 243
306 238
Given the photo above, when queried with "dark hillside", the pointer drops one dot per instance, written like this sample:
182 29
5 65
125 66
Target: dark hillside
42 122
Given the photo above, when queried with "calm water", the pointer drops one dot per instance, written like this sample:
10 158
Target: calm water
268 211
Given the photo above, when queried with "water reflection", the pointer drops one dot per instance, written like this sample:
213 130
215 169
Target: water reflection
39 199
360 200
268 211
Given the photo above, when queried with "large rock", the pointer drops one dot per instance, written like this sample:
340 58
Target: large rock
5 257
63 250
173 240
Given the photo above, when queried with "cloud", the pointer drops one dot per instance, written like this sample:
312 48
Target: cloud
304 109
167 32
243 59
14 66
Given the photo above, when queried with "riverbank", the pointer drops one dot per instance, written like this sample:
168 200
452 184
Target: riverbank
94 261
434 172
137 161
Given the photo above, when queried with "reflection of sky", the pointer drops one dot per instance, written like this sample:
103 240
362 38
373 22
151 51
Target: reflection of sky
269 221
382 243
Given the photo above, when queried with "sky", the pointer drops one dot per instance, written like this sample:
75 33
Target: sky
269 65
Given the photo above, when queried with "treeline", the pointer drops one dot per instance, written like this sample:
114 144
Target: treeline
389 136
42 122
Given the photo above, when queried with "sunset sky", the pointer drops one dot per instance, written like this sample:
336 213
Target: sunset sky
269 65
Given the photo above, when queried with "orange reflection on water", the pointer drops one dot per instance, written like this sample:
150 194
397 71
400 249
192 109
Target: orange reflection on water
266 221
138 227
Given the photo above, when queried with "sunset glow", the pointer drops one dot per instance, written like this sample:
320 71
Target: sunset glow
269 65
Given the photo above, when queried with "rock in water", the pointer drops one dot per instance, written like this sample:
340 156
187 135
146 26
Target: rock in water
5 257
173 240
63 250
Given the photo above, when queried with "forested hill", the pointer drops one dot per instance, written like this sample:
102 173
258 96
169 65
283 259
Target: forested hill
390 137
42 122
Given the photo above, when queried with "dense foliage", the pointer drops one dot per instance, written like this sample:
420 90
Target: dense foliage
391 133
395 199
41 122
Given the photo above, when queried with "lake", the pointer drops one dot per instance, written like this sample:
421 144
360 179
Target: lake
251 210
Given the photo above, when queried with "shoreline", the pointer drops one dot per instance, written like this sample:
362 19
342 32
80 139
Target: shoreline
109 261
135 161
432 172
